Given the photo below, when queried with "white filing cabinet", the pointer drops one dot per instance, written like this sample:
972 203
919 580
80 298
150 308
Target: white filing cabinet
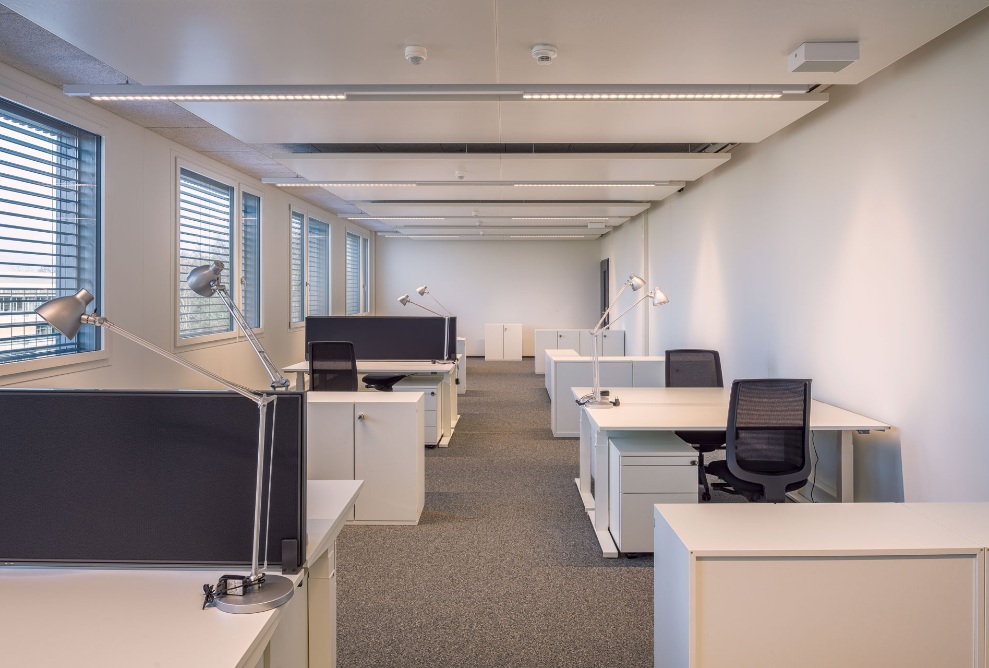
503 341
646 469
433 416
376 437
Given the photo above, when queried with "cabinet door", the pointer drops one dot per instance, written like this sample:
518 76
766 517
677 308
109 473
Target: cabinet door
568 338
387 442
494 341
512 341
330 440
613 343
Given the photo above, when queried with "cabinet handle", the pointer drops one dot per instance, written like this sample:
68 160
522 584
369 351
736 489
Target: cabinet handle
693 462
360 416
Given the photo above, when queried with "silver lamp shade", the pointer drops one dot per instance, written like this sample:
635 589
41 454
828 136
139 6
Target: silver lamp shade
65 313
203 280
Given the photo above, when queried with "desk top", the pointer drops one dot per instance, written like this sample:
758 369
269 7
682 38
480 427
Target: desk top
803 529
697 408
137 617
970 519
386 366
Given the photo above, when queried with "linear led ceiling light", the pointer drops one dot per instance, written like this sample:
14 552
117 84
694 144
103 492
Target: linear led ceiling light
599 219
577 184
326 184
392 218
432 92
550 236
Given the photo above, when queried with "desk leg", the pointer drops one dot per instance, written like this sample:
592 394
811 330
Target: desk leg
845 456
322 611
300 381
584 481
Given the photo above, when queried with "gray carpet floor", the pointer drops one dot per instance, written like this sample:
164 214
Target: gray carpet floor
503 568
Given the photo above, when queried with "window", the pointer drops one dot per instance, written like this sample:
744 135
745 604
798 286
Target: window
206 228
250 275
49 229
319 268
358 256
297 266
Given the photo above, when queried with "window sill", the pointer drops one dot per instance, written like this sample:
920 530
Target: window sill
48 367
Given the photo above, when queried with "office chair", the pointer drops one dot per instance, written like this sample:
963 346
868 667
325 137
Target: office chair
768 439
332 366
697 368
384 382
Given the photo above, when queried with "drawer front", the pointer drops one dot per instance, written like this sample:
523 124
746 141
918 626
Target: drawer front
635 526
660 460
429 418
658 479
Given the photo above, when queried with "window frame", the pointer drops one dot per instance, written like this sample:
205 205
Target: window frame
40 367
233 271
307 218
327 249
363 270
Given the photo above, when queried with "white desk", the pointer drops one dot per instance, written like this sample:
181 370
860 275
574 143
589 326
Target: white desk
409 367
136 617
817 585
689 409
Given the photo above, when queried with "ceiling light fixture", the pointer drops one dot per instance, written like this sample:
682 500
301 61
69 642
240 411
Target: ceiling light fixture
574 184
421 236
434 92
392 218
550 236
594 218
326 184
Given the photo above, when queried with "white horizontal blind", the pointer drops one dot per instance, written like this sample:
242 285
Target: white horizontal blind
297 267
206 218
250 239
49 229
319 267
353 274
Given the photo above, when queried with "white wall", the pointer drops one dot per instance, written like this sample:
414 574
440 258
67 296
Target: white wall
851 249
541 284
140 266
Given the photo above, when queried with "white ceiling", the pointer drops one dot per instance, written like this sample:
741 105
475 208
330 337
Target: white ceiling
486 43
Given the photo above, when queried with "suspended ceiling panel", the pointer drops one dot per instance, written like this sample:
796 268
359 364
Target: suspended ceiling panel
617 209
499 167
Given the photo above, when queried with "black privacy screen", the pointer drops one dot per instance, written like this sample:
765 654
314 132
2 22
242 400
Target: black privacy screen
144 477
385 337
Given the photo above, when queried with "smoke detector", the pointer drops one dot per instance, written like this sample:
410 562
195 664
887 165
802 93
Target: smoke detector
544 53
415 54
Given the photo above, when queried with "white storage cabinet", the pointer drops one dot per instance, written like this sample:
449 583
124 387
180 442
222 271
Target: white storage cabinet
580 340
503 341
376 437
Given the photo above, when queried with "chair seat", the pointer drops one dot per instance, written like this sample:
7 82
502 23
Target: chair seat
383 382
719 469
703 441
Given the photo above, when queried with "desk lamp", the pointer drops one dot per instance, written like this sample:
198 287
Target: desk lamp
423 292
205 281
404 301
658 299
257 591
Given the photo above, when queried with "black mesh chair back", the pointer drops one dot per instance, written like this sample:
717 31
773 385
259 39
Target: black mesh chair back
697 368
693 368
768 438
332 366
